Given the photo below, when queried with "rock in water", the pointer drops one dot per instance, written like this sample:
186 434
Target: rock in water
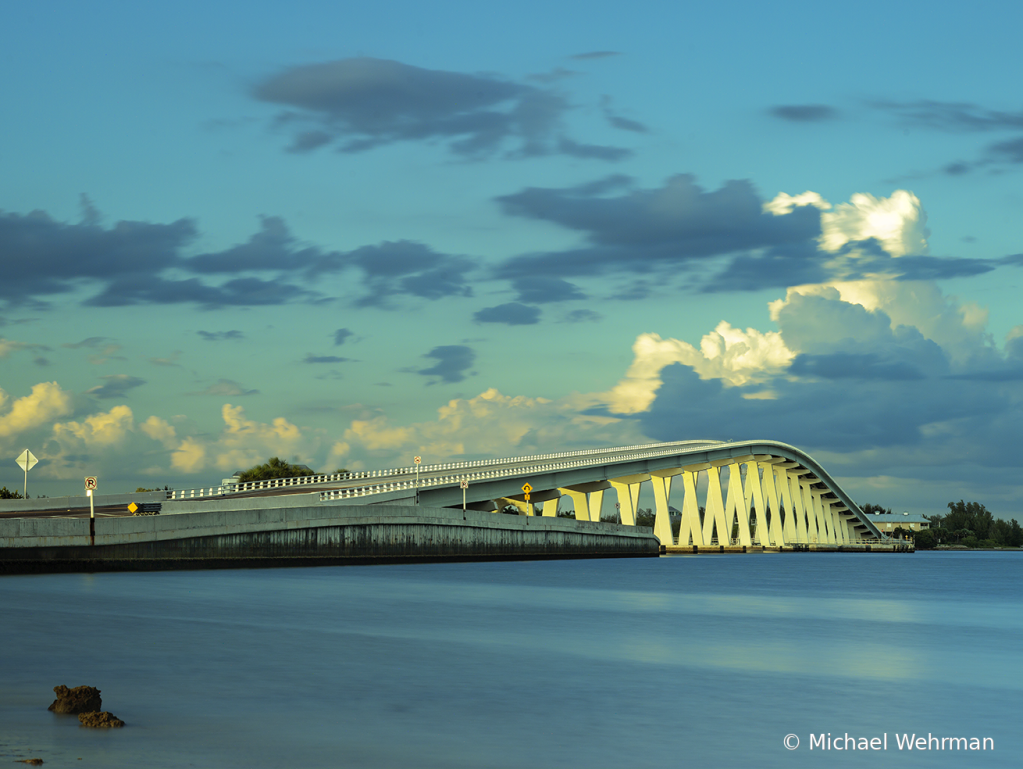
81 699
103 719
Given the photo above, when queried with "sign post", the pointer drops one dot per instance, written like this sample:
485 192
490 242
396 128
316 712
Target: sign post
90 486
527 488
27 461
418 461
464 484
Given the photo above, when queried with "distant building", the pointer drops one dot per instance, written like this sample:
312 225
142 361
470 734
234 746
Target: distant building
889 522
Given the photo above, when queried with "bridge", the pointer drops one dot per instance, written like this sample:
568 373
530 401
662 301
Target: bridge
736 496
734 493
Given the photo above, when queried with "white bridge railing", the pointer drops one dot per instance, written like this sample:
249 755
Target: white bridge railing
485 475
544 462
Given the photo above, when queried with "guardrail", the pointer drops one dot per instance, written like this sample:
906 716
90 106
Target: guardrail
308 480
410 484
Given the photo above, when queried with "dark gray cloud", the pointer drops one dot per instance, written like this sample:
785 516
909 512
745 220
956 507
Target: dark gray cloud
556 74
226 388
582 316
404 267
116 386
341 336
359 104
1010 151
951 116
779 267
91 342
853 366
273 249
596 55
46 257
670 227
804 113
221 336
243 292
310 358
511 313
542 289
134 263
453 361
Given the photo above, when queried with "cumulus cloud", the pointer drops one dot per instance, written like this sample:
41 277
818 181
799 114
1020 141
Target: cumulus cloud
489 424
735 357
359 104
46 402
242 443
897 222
159 430
453 361
98 430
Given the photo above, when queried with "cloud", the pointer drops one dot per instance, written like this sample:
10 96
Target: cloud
360 104
117 386
897 222
542 289
951 116
242 443
582 316
804 113
452 362
310 358
510 313
1010 151
488 425
736 357
7 346
226 388
45 257
46 402
596 55
98 430
220 336
668 228
159 430
406 268
341 336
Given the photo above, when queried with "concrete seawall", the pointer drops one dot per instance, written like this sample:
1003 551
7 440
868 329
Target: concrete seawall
299 530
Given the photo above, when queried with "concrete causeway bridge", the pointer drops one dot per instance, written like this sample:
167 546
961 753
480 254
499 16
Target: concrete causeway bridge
736 496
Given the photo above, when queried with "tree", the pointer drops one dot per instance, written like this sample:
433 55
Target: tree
871 509
275 467
970 516
5 493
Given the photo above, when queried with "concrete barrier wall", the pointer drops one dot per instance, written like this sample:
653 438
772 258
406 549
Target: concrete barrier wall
306 533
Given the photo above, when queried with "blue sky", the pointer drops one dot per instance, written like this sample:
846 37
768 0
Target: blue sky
349 235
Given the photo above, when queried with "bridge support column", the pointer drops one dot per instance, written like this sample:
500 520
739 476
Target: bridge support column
753 496
771 497
627 488
588 499
714 517
735 505
661 481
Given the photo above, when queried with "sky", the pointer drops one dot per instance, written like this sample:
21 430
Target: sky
349 234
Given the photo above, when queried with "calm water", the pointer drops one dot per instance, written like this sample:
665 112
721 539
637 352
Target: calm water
673 662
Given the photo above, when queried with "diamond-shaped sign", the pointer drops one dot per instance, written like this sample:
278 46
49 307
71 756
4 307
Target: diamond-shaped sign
133 508
527 488
27 460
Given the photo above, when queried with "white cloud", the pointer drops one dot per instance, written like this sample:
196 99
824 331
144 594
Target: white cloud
242 444
897 222
45 403
159 430
98 430
736 357
489 424
784 203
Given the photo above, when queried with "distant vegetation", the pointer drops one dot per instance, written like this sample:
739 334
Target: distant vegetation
6 493
275 467
969 524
